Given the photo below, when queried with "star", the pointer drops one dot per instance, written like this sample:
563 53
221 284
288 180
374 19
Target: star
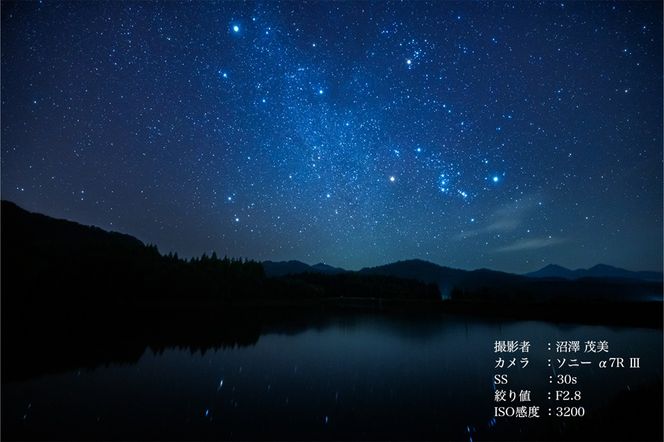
462 125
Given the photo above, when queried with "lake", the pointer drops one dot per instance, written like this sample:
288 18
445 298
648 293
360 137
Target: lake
356 376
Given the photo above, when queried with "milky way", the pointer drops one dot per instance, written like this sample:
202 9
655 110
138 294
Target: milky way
506 136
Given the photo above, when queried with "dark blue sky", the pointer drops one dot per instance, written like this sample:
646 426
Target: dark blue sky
501 135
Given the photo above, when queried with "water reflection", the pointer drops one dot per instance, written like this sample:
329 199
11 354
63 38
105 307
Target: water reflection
328 376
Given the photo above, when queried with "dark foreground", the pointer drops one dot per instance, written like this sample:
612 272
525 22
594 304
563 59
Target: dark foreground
335 371
105 338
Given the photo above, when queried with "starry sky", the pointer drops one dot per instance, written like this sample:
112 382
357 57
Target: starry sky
499 135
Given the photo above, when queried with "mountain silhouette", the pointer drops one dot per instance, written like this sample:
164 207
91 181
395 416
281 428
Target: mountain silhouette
446 278
327 269
283 268
89 265
293 267
494 286
597 271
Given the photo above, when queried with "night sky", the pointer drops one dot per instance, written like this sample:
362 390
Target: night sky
506 136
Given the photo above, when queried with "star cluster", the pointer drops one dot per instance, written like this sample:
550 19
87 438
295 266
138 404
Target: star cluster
502 135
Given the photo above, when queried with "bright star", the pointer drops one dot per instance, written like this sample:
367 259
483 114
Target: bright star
236 28
392 179
443 184
409 61
495 179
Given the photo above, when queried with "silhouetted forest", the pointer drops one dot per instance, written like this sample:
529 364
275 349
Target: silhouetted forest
75 295
55 262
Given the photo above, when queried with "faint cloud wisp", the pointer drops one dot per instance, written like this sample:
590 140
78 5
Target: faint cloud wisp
530 244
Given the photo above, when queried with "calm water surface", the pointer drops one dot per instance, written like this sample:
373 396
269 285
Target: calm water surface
364 377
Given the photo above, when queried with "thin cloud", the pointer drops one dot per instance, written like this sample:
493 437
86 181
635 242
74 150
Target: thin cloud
505 219
530 244
501 225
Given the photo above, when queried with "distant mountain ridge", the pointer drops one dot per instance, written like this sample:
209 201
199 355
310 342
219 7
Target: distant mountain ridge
430 272
294 267
597 271
599 282
77 256
446 278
